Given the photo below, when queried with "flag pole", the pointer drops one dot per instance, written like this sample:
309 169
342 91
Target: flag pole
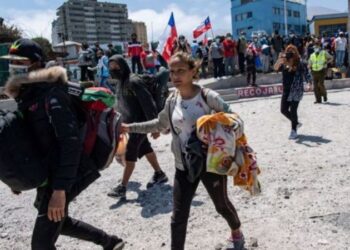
212 31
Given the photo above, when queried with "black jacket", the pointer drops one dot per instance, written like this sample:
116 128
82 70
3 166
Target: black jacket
43 100
134 101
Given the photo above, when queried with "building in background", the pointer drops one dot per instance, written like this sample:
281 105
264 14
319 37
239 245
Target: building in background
268 15
91 21
329 24
141 31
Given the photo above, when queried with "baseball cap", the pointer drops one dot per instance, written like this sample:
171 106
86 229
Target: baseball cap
25 49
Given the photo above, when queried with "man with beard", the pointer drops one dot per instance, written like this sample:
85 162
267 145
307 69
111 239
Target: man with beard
136 104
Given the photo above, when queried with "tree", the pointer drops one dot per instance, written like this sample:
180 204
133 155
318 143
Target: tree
46 46
9 34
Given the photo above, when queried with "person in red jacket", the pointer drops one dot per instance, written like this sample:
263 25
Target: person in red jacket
134 51
148 60
230 52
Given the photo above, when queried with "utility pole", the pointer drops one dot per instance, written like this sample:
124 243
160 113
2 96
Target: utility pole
286 18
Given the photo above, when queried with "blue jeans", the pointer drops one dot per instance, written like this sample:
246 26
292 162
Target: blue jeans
229 65
151 71
340 55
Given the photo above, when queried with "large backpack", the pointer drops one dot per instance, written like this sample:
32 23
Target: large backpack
21 165
101 130
157 86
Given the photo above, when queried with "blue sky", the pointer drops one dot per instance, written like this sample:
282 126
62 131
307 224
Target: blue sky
34 17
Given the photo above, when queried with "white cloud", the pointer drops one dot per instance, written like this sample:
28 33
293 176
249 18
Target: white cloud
186 21
33 23
38 22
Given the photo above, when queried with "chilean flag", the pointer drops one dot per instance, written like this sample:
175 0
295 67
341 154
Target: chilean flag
204 27
171 38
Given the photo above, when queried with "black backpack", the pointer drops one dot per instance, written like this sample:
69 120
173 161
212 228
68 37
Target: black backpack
21 165
158 87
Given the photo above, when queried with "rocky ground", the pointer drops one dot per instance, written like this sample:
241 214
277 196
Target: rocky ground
305 202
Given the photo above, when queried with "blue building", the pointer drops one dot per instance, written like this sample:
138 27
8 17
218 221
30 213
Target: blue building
268 15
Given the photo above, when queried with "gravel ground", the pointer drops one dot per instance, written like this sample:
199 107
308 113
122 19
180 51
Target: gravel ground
305 202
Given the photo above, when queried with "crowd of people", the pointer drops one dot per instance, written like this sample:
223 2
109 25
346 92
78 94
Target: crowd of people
221 56
226 56
300 60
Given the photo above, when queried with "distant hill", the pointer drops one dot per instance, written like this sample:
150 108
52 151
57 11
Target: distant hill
318 10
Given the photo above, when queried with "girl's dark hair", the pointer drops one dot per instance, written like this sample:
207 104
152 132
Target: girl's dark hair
189 60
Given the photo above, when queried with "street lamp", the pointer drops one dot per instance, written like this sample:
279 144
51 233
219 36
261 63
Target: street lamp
286 18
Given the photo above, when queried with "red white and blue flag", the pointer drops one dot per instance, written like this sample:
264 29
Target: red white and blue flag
203 28
168 46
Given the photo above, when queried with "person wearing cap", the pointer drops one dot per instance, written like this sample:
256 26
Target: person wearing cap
318 64
340 48
42 98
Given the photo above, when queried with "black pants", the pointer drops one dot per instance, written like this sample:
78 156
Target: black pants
136 60
241 62
251 73
46 232
183 193
218 67
290 110
85 74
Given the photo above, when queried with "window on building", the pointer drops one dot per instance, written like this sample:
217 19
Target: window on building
243 16
246 1
303 29
289 13
296 13
331 30
276 26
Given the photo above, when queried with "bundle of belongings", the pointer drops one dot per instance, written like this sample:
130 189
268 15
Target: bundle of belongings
228 150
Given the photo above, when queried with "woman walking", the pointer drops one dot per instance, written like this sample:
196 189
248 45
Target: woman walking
294 73
180 113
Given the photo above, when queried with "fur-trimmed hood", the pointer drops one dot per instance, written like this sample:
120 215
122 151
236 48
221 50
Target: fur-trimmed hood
51 75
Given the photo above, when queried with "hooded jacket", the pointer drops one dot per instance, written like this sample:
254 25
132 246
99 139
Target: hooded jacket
134 101
42 99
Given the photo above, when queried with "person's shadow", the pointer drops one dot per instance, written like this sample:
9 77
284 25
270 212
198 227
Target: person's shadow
334 104
311 140
154 201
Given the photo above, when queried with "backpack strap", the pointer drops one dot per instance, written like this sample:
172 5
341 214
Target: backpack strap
204 94
173 97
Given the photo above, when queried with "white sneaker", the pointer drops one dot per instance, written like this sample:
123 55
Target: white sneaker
293 135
